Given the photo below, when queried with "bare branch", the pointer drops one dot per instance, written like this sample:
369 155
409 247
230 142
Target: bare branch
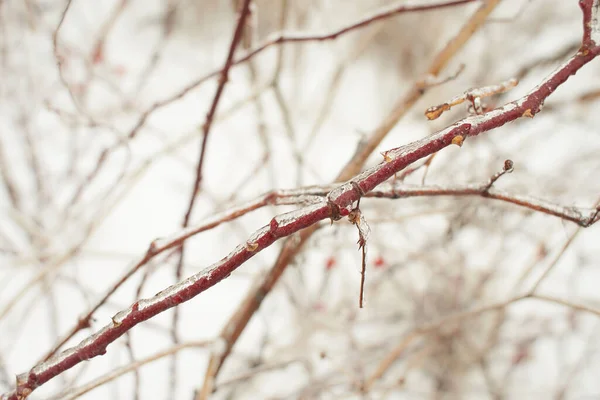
339 203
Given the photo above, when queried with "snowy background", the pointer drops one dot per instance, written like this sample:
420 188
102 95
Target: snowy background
67 233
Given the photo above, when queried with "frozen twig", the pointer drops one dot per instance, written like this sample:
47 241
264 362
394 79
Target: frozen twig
283 197
582 217
224 76
473 96
407 101
339 204
559 256
206 129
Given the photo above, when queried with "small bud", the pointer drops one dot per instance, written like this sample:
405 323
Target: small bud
508 166
251 246
458 140
434 112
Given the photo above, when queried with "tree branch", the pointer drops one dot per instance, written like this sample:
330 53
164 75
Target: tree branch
339 204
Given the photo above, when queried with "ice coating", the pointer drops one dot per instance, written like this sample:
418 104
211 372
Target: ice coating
288 218
410 147
481 118
82 355
363 228
595 23
345 195
336 193
90 341
89 347
258 234
299 199
364 175
173 290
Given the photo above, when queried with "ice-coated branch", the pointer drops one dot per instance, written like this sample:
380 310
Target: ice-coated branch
206 130
582 217
591 24
339 203
302 196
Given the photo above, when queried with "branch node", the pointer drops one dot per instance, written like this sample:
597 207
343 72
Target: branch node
335 211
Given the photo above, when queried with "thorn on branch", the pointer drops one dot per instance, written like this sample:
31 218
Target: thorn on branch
152 249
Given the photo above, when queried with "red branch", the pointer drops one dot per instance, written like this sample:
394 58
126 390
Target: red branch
339 203
224 76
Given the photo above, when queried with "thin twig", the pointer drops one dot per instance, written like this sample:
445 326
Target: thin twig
206 129
134 366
